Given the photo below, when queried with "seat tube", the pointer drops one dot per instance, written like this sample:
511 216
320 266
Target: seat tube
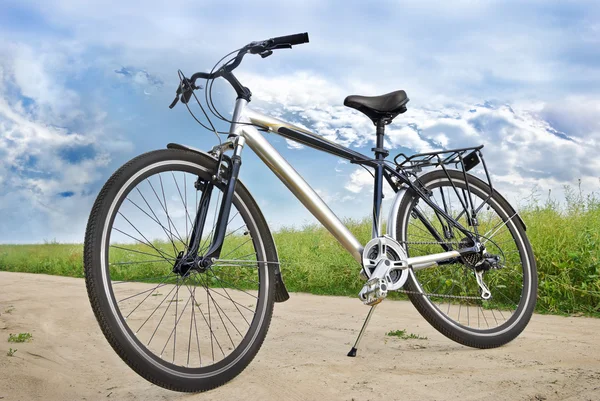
380 154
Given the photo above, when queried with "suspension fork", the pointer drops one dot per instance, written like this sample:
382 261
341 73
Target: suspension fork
194 242
214 250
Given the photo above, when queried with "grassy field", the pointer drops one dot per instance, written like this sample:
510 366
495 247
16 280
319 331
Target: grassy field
565 239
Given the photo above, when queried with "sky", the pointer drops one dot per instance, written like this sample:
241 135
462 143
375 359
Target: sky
84 87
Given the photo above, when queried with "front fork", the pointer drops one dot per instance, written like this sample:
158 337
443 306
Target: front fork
214 251
191 260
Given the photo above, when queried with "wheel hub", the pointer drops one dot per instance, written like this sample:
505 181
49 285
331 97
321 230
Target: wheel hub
481 260
184 264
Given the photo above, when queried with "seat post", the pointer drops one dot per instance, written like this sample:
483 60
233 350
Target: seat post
380 154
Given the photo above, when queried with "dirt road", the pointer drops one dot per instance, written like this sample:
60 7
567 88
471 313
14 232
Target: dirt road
303 358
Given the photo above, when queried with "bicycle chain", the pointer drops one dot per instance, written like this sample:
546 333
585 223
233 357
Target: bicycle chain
430 243
426 294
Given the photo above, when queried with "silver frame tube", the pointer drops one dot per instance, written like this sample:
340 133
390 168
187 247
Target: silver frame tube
244 125
290 177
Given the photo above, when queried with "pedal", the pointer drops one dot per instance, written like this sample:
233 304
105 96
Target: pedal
373 292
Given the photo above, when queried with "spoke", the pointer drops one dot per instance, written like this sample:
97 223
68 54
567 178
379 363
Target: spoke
484 318
209 322
494 233
494 315
140 252
227 282
143 292
222 310
161 254
155 309
176 320
162 188
185 204
229 298
196 327
468 318
138 262
239 246
175 329
191 322
206 321
168 233
244 258
419 228
228 273
169 221
162 317
234 231
234 303
182 201
138 231
221 318
141 280
145 298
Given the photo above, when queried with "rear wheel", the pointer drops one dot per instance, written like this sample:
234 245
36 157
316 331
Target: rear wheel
447 295
189 331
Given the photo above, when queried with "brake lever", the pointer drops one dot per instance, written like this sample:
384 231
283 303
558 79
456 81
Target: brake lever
266 53
183 92
174 102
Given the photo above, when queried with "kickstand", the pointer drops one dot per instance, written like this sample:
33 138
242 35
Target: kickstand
352 352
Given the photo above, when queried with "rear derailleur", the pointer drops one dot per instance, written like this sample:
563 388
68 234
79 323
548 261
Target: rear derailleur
480 261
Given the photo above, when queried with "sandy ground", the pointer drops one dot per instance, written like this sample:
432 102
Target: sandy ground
303 358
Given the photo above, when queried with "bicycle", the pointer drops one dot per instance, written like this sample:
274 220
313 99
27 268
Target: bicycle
175 242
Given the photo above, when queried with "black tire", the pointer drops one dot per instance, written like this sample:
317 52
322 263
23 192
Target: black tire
463 333
106 309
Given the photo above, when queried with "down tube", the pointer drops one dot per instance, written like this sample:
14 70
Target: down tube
300 188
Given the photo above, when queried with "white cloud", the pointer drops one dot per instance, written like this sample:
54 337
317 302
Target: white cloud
538 58
46 168
522 149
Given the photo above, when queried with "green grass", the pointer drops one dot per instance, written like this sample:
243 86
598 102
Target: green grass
19 338
403 335
11 352
565 239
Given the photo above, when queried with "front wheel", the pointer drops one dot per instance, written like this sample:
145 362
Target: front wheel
448 295
185 331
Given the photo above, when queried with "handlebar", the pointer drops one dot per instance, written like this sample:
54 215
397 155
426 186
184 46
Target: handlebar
264 48
296 39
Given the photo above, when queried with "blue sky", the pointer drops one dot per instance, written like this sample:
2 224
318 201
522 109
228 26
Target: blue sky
84 86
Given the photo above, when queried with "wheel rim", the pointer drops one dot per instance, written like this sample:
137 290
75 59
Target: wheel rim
510 286
228 299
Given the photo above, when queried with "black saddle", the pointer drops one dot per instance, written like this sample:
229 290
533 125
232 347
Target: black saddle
379 107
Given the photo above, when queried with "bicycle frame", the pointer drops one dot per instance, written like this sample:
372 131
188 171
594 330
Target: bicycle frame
244 130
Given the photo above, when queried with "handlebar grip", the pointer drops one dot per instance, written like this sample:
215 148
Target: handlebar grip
174 102
296 39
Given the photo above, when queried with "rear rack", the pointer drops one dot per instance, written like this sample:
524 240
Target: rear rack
417 162
463 160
